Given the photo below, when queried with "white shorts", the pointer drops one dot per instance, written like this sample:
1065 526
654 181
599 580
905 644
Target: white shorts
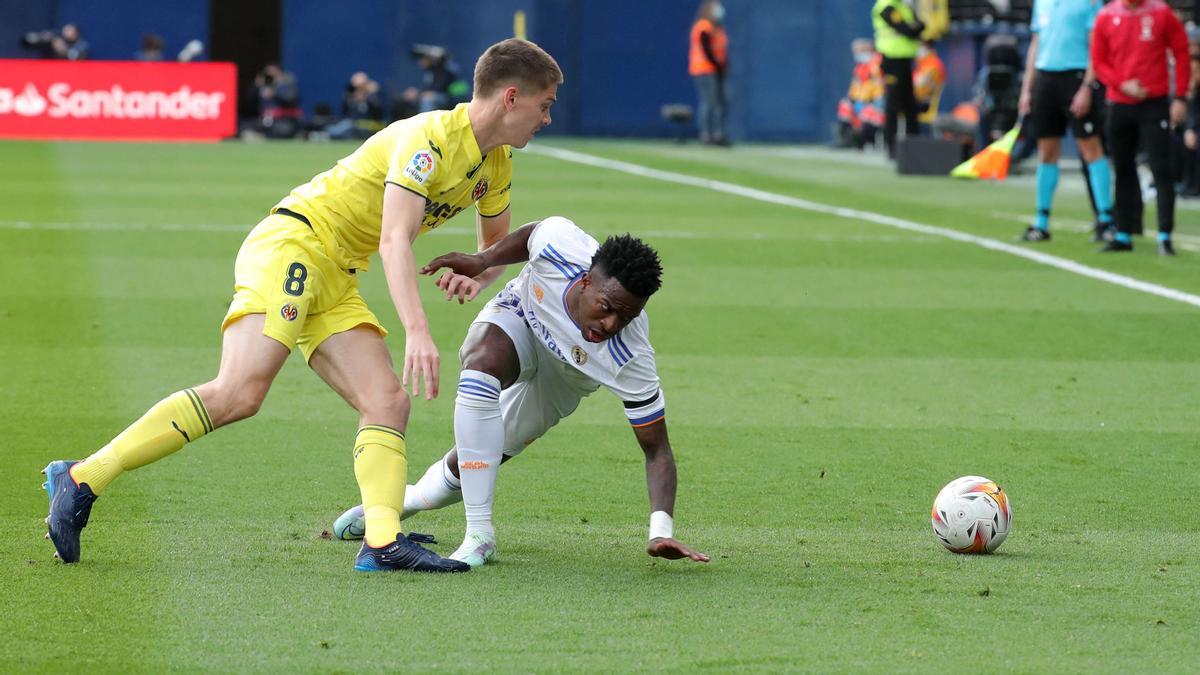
547 389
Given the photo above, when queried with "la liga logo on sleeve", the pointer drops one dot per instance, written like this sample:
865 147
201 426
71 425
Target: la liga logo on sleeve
420 166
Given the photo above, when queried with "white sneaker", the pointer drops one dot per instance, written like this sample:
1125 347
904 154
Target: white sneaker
477 548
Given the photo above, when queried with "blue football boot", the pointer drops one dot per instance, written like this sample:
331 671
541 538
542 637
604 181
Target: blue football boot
70 506
404 554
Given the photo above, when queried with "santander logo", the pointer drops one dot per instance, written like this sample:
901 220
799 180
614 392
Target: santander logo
28 104
61 101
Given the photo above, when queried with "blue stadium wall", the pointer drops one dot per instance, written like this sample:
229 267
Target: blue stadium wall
622 60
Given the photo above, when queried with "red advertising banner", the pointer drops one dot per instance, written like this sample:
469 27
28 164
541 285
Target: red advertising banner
117 100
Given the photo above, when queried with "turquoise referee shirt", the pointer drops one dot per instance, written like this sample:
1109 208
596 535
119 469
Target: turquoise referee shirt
1062 27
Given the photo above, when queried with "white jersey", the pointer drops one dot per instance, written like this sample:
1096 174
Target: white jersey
559 254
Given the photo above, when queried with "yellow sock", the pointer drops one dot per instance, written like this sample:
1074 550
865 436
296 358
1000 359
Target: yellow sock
381 467
173 421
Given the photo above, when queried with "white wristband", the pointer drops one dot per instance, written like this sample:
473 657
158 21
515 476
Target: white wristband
661 525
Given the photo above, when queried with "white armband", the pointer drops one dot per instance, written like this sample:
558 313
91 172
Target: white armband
661 525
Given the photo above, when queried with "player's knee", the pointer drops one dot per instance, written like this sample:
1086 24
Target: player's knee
247 400
387 403
229 402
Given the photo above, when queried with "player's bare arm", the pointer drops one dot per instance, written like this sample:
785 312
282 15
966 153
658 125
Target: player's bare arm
403 212
489 231
1081 104
660 480
513 248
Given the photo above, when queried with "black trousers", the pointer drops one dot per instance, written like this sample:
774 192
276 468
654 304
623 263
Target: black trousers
1148 124
898 99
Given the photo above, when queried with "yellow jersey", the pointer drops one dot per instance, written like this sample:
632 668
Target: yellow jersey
433 154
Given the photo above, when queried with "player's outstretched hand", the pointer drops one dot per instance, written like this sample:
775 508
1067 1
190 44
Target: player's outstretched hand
421 361
465 288
465 264
671 549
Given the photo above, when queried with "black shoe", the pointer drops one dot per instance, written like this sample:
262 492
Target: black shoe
1034 234
407 555
1115 246
70 507
1102 232
1165 247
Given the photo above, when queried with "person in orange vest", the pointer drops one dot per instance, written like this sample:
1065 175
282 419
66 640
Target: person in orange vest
929 76
708 64
860 113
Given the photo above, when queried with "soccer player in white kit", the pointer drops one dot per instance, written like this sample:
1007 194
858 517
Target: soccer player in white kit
572 321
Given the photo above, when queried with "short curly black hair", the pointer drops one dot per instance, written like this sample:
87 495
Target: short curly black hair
630 261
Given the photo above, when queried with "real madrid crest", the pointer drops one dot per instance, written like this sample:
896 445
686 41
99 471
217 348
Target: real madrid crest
578 355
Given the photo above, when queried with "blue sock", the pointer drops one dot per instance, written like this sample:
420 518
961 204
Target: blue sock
1047 182
1123 237
1100 177
1164 236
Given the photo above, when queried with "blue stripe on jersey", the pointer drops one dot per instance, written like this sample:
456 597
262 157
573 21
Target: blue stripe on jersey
480 383
477 392
622 346
545 256
616 353
652 417
563 259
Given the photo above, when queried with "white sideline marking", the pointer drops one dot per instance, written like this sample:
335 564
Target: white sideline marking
878 218
657 234
122 227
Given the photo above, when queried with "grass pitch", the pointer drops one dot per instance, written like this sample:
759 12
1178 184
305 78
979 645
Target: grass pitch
825 378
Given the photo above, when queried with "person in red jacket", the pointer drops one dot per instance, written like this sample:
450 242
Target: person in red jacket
1130 42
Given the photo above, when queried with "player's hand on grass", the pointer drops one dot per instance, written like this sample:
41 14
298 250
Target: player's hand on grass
671 549
1081 104
464 264
459 285
421 361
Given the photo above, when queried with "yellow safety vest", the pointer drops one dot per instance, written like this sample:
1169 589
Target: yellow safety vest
888 42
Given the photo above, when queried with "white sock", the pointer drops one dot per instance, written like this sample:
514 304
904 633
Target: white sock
479 435
436 489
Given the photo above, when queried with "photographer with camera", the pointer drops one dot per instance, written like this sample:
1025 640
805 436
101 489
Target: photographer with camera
441 85
66 44
278 97
362 109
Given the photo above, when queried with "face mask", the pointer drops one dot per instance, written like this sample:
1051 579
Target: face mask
718 12
862 57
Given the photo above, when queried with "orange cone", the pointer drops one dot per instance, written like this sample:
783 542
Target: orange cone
992 162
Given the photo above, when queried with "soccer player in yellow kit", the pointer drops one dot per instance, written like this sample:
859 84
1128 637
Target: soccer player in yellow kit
296 285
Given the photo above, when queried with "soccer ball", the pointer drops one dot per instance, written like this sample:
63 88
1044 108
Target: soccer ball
971 515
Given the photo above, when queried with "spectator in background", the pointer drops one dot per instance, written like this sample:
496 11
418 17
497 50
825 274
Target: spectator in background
708 64
362 109
1059 90
278 96
70 44
860 114
440 77
897 36
1129 54
929 77
152 48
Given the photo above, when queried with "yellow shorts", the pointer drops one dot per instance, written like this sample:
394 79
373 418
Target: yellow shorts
282 271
